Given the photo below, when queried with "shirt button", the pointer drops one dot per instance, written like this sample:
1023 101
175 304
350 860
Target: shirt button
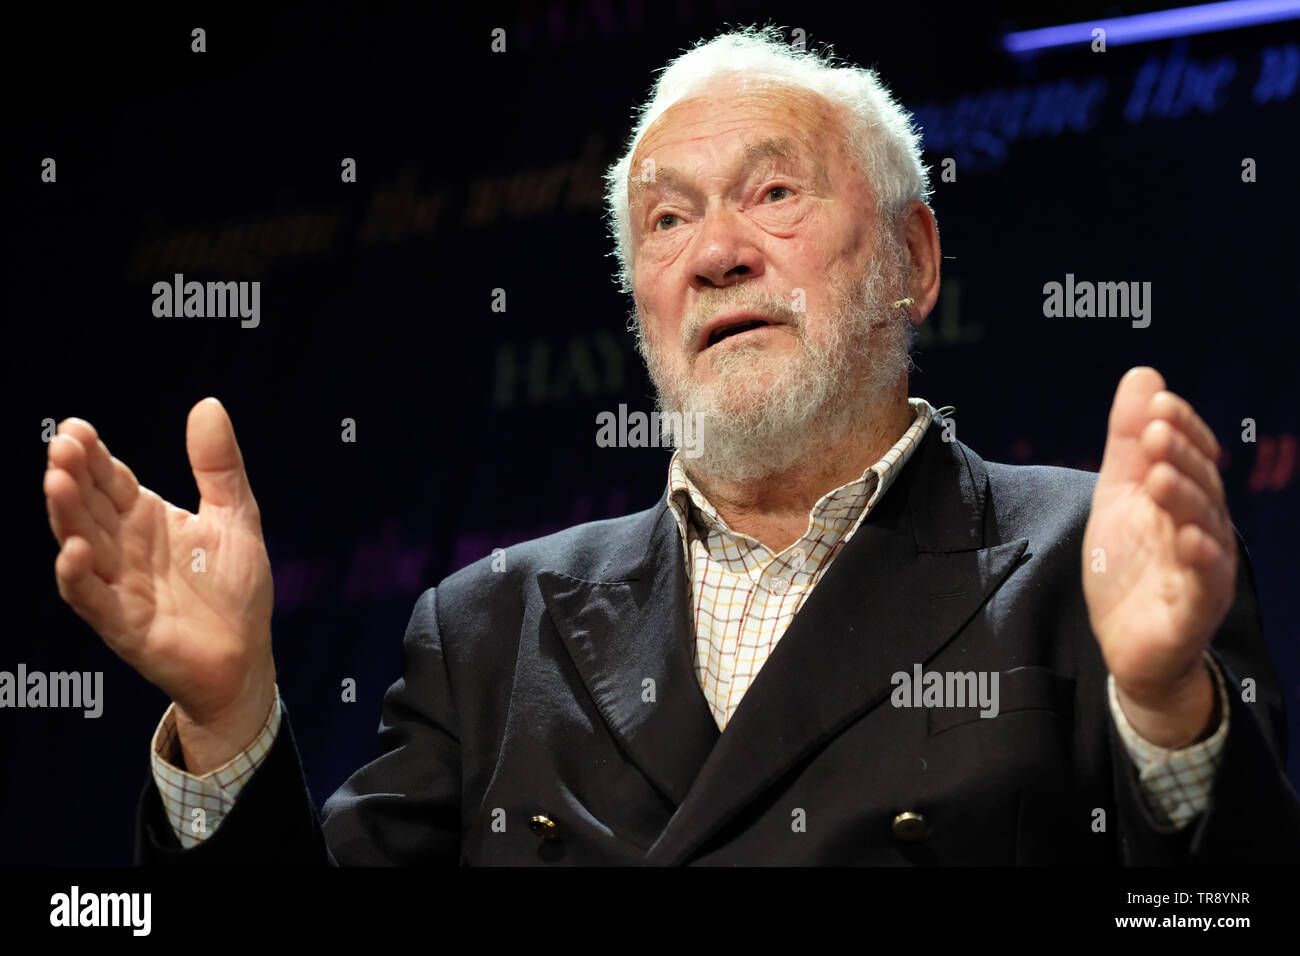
778 585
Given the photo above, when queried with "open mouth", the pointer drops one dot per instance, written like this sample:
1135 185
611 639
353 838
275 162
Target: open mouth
735 328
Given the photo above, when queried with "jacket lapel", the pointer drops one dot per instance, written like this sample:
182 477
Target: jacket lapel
632 626
915 571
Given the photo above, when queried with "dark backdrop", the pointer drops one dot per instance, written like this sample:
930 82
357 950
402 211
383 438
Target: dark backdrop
476 429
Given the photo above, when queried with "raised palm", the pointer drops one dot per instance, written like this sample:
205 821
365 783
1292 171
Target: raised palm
183 598
1159 552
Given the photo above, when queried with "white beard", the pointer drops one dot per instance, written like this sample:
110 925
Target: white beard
747 429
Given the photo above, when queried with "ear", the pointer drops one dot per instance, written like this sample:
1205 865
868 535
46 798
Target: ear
919 233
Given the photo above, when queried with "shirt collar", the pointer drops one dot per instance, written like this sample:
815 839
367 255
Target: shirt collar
842 506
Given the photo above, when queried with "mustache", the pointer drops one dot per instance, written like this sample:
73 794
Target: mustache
768 304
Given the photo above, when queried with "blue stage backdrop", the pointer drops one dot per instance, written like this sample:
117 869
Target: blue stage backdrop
475 426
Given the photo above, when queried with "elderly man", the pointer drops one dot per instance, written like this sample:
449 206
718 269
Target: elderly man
841 637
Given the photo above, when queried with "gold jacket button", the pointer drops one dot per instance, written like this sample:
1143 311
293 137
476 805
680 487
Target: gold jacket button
910 826
544 827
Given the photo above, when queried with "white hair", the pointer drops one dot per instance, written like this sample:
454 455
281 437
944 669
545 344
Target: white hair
881 132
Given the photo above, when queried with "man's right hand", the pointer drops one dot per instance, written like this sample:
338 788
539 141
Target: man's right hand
185 599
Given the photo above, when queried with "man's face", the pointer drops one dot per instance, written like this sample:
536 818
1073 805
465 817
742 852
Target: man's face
761 274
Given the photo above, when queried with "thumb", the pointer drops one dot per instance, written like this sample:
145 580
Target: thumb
215 459
1123 459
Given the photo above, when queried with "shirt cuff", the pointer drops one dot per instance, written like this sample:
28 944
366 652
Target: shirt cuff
196 805
1176 784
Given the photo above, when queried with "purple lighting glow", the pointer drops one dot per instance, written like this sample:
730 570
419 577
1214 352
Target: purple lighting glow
1160 25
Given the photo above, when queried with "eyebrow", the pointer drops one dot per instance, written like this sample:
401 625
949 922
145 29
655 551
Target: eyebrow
784 148
771 147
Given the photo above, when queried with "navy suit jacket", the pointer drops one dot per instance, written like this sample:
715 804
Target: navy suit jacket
526 693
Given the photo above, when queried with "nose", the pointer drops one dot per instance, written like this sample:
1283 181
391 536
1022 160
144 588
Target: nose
724 253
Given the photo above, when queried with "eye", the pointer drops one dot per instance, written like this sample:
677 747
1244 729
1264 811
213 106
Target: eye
668 218
783 192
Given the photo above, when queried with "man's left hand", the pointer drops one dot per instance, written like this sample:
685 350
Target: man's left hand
1159 559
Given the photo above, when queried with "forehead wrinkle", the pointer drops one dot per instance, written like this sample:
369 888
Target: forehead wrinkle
752 154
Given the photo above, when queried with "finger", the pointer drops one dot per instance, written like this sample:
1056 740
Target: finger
215 458
1122 459
1161 441
1129 411
69 518
62 502
1185 502
1179 413
110 475
70 455
82 588
1199 549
